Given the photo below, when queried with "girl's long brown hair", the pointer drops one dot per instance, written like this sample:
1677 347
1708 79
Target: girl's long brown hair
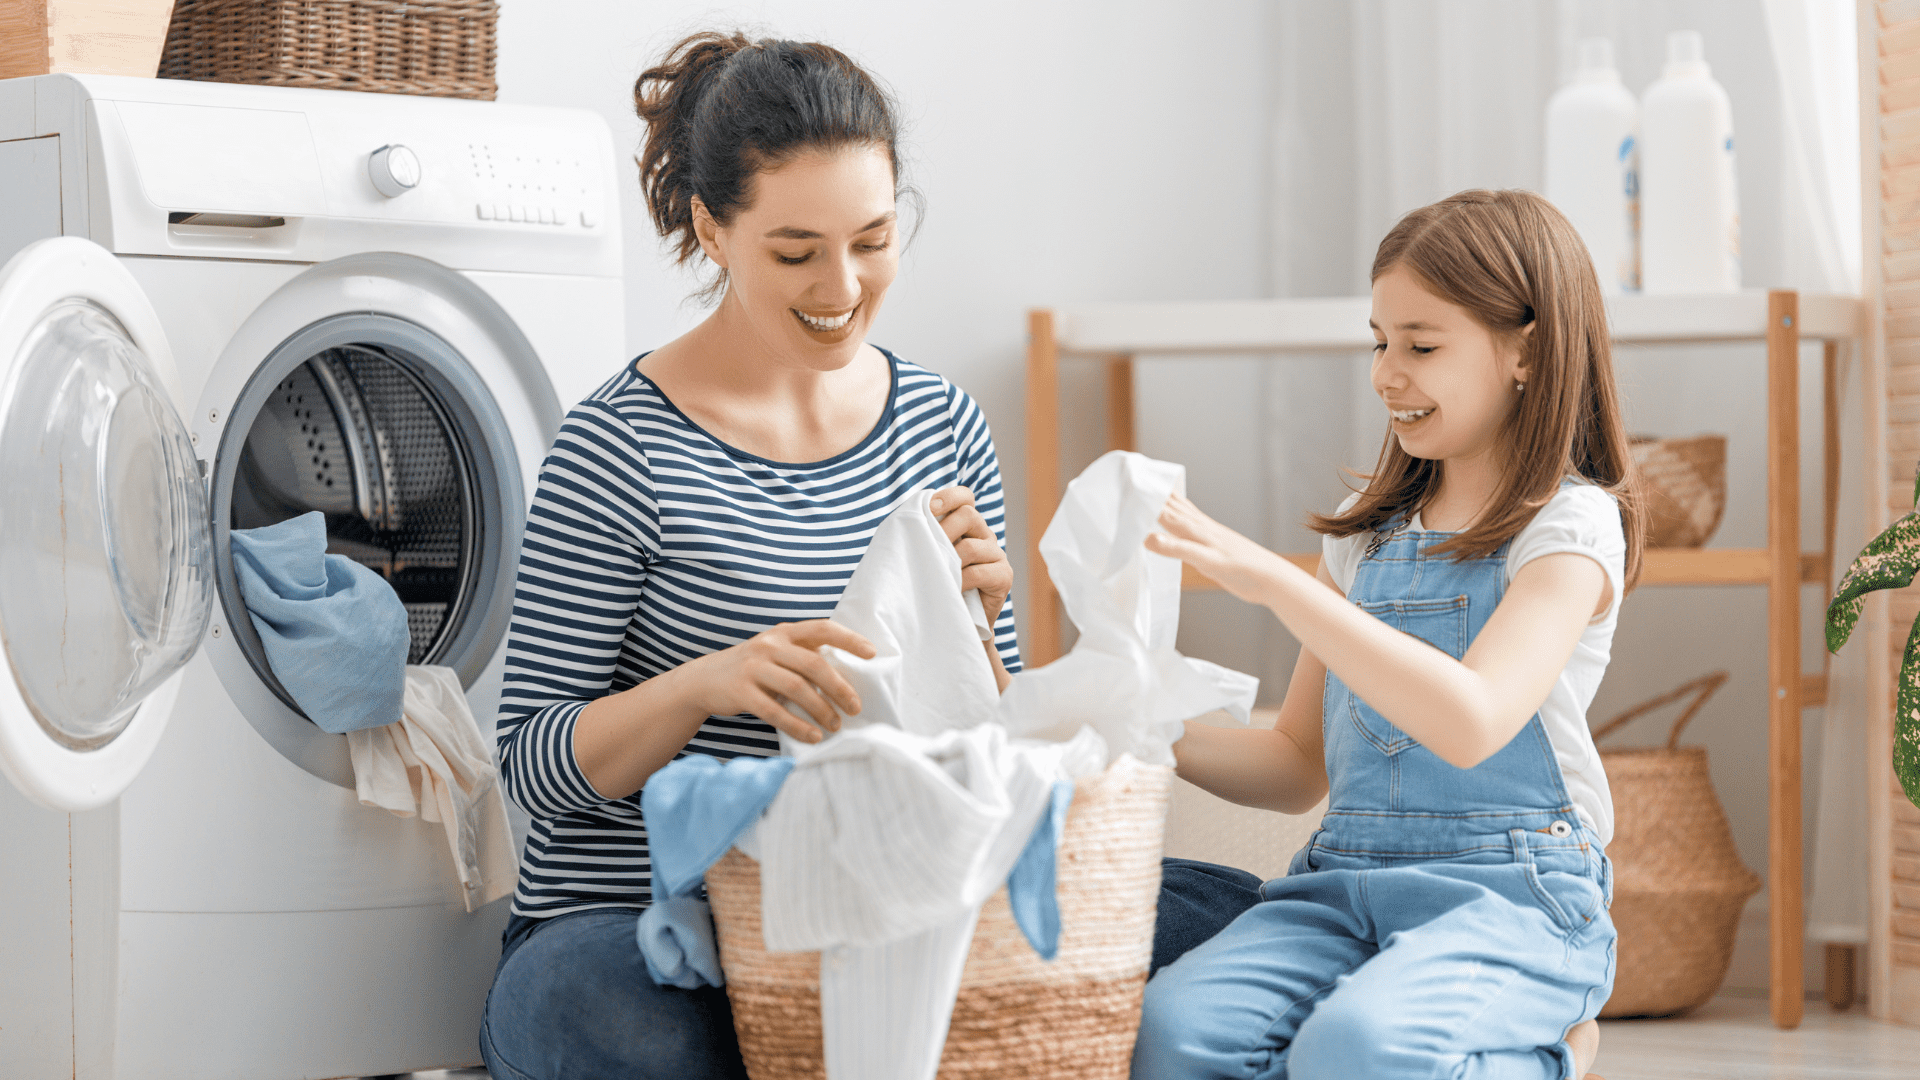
1509 258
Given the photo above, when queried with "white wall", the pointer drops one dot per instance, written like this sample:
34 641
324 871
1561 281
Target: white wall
1067 151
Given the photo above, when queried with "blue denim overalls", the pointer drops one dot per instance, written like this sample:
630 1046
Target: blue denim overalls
1442 921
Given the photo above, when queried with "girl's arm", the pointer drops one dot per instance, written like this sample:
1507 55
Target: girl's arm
1280 768
1463 710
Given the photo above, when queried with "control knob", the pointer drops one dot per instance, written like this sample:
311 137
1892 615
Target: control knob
394 170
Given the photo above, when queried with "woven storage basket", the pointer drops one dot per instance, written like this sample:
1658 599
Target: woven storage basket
441 48
1686 487
1678 883
1017 1015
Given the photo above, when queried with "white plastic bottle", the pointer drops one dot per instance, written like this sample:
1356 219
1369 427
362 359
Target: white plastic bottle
1689 200
1592 164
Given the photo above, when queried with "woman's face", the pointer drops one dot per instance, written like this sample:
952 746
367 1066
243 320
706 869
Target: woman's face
809 262
1447 381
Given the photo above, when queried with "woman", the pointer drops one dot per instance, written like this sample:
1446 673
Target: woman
696 522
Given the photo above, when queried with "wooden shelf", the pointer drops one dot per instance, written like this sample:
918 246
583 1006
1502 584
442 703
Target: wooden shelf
1660 566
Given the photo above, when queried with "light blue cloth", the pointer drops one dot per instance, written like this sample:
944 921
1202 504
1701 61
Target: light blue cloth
1031 888
676 941
696 807
334 631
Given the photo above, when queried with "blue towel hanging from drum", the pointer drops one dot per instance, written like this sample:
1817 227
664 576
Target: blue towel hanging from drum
334 631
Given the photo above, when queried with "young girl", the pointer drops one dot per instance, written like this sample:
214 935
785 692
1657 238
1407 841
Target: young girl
1449 917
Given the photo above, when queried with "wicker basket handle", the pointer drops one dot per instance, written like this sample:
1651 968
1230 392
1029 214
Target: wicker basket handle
1704 686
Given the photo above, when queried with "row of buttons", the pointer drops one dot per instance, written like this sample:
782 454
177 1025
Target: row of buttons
533 215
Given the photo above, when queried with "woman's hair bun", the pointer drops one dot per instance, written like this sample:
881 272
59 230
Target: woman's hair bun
720 108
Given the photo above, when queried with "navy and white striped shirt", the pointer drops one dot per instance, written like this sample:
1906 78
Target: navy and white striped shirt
651 543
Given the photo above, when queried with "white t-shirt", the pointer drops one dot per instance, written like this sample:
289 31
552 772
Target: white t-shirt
1584 520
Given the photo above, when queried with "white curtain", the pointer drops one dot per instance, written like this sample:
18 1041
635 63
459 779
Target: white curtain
1381 106
1815 52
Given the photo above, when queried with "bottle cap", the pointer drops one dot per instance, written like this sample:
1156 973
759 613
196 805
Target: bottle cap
1685 51
1596 54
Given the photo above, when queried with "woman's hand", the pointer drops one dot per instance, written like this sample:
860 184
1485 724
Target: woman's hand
1234 562
781 662
983 564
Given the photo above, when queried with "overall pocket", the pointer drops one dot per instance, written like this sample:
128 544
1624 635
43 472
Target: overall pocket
1441 623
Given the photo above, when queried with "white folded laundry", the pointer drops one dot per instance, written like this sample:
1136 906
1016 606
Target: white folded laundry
433 762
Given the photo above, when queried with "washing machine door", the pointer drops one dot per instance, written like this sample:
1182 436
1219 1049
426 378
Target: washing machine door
106 580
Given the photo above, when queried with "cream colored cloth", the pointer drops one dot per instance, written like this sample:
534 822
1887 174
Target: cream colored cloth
433 762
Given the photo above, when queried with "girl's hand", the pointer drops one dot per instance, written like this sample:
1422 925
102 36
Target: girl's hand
983 565
781 662
1234 562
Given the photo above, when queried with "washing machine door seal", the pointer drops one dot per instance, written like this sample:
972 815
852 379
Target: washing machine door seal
106 581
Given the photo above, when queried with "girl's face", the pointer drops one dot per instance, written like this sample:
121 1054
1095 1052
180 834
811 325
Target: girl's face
1447 381
810 261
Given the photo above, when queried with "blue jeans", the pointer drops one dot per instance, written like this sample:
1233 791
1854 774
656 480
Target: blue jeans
571 1000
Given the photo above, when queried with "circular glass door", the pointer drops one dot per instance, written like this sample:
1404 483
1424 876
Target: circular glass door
106 576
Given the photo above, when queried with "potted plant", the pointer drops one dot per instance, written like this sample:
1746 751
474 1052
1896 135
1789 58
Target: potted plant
1888 562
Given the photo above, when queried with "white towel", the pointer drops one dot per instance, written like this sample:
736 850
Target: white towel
433 762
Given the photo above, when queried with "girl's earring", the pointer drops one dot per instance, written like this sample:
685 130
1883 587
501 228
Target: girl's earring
1518 387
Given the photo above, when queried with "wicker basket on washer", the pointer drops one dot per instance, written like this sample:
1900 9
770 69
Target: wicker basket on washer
1017 1015
1678 884
438 48
1685 482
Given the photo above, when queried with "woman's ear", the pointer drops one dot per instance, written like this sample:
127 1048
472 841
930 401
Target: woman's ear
708 232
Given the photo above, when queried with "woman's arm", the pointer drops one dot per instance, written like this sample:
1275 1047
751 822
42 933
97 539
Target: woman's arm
1280 768
622 739
1463 710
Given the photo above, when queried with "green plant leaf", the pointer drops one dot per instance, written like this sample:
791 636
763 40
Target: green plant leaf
1906 719
1888 562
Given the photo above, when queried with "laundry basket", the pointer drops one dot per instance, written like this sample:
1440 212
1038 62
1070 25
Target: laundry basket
1686 487
1679 884
1017 1015
438 48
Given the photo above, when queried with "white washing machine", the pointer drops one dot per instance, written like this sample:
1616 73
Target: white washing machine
265 301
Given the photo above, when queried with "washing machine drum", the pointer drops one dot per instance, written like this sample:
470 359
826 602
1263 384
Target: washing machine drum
355 434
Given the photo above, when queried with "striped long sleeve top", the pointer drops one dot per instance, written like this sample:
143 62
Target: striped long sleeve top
651 543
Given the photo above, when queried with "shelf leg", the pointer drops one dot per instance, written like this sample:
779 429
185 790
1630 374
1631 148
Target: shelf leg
1786 917
1043 485
1120 402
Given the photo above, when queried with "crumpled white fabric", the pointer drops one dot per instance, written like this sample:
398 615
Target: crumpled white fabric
929 673
879 851
879 834
433 762
1123 676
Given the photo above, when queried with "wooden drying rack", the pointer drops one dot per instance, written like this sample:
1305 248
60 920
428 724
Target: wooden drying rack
1115 334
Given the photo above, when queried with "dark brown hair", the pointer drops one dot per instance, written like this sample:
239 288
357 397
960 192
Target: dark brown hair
720 108
1509 258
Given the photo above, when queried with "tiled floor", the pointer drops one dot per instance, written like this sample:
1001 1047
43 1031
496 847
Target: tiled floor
1732 1038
